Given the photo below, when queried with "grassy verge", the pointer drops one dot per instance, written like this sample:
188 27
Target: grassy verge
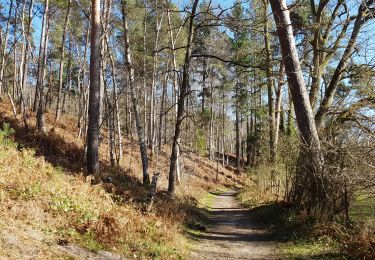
363 208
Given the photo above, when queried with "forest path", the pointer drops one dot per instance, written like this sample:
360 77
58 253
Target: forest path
231 235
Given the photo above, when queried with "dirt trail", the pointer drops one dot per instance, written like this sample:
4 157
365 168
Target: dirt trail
231 235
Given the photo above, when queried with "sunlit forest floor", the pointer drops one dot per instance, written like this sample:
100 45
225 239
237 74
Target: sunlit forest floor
49 209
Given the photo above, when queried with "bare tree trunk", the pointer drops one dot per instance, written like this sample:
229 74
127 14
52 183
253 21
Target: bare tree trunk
94 99
309 184
116 107
223 126
62 56
278 111
152 122
181 101
83 104
162 108
238 133
16 83
42 68
210 138
137 117
4 50
145 96
304 114
289 123
270 87
172 40
25 59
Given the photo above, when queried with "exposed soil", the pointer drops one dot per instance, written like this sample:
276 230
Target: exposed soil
231 235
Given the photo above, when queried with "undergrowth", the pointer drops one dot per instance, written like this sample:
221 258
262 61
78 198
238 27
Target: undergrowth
73 210
302 236
42 186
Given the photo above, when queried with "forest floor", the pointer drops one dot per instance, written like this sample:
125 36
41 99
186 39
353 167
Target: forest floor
49 209
230 233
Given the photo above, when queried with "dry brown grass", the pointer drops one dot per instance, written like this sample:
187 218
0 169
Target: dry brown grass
42 187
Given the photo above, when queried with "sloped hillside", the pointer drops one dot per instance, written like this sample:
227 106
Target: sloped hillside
49 209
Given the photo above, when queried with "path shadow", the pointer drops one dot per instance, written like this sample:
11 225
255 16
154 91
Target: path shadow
232 224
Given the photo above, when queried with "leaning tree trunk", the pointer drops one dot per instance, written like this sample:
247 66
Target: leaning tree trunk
137 116
309 187
181 102
94 99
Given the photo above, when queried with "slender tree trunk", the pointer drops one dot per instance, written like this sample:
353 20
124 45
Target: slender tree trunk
4 50
278 111
42 68
175 94
270 87
181 101
116 107
162 108
152 122
145 94
289 123
210 138
24 67
94 99
137 116
15 43
62 57
238 132
83 93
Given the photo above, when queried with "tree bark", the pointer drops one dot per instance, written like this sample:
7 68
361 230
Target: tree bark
304 114
42 68
309 185
175 87
94 99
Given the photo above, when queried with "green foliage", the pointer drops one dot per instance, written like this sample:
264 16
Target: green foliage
200 142
26 193
204 115
5 134
63 203
86 240
363 208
